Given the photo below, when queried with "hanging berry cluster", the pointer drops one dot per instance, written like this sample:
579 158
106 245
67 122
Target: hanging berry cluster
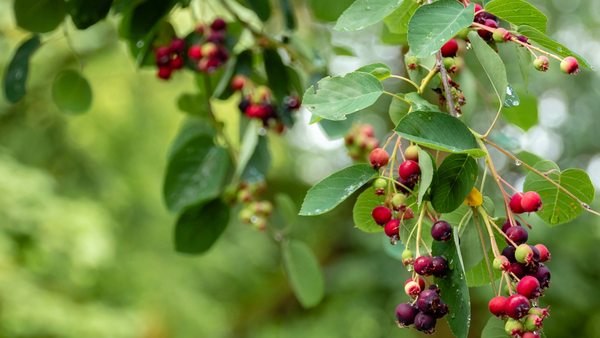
170 58
255 212
360 141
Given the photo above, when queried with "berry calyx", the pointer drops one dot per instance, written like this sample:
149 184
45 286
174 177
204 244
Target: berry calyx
515 203
442 309
569 65
529 287
428 301
531 202
398 200
541 63
412 63
501 35
407 257
517 234
392 228
450 65
533 323
381 215
524 254
412 153
507 225
412 288
517 306
405 314
514 328
195 52
440 267
409 170
496 306
238 82
164 72
544 253
379 158
450 48
423 265
501 263
441 231
425 323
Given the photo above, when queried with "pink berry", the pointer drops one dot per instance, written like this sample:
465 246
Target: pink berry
496 306
517 306
515 203
392 228
544 253
450 48
195 52
408 214
379 158
381 215
531 202
529 287
238 82
412 288
530 335
569 65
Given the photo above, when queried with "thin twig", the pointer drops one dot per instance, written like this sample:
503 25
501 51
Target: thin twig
396 96
446 84
407 80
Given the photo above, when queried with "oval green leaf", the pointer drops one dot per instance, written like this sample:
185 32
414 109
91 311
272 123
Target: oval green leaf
71 92
85 13
558 206
524 58
438 131
518 12
428 169
492 64
288 14
335 188
380 70
249 143
258 166
39 16
397 22
525 115
304 273
15 77
361 213
199 227
276 74
494 329
456 177
329 10
287 208
364 13
338 96
434 24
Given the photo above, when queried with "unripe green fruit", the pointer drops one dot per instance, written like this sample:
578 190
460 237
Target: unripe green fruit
245 216
523 254
244 196
407 254
507 290
449 64
412 153
500 263
264 208
464 33
514 327
541 63
412 63
533 322
500 35
398 200
380 183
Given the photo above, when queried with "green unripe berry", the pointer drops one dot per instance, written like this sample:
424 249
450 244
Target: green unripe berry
407 254
380 183
450 65
541 63
412 63
514 327
264 208
523 254
533 322
398 200
500 263
244 196
412 153
500 35
464 34
245 215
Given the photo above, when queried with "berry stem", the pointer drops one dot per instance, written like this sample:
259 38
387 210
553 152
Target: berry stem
446 84
428 78
407 80
503 234
515 277
486 220
532 53
510 289
522 220
485 253
510 186
70 43
500 286
419 223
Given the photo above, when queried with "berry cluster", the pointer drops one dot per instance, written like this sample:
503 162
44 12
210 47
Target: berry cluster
425 309
529 277
212 54
360 141
525 202
170 58
254 212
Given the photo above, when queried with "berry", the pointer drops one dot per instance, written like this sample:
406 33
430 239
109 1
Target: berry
380 214
425 323
517 234
223 54
238 82
442 310
398 201
509 253
406 313
507 225
423 265
408 214
464 34
517 306
536 255
529 287
450 48
569 65
209 50
293 102
367 130
216 37
244 104
542 313
412 288
531 201
524 254
530 335
199 29
380 184
501 263
496 306
195 52
440 267
404 183
244 196
177 62
163 56
441 231
450 65
412 63
254 111
264 208
218 24
409 170
434 287
519 270
407 257
514 328
178 45
533 323
392 227
501 35
428 301
541 63
523 38
485 34
412 153
379 158
544 253
515 203
164 72
542 274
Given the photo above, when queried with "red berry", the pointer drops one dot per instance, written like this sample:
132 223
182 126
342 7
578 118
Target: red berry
163 56
238 82
420 282
441 231
507 225
425 323
531 202
529 287
517 234
392 227
450 48
379 158
478 8
423 265
164 72
408 214
195 52
509 253
530 335
218 24
440 267
569 65
209 50
515 203
177 45
406 313
517 306
413 288
409 170
544 253
496 306
177 62
380 214
428 301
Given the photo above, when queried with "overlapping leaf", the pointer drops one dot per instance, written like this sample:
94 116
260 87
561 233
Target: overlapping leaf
364 13
397 22
304 273
361 213
71 92
199 227
492 64
15 77
456 177
518 12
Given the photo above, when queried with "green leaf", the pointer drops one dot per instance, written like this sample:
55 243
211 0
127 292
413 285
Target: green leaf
418 103
191 127
492 64
15 77
337 129
528 158
456 177
428 170
364 13
139 21
524 58
397 22
365 203
287 208
304 273
71 92
85 13
329 10
389 38
512 98
380 70
494 327
525 115
394 251
480 275
335 188
295 82
258 166
276 73
199 227
262 8
193 104
455 292
406 228
558 206
398 109
288 14
438 131
338 96
551 45
39 16
249 143
342 51
195 173
434 24
518 12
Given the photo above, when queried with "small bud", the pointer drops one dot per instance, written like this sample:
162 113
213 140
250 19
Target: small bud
541 63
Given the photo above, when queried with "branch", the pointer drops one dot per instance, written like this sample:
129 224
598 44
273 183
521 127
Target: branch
428 78
444 74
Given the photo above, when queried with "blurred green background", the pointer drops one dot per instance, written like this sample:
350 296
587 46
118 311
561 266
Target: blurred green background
86 242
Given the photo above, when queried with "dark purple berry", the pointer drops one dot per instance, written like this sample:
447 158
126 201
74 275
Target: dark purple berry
244 104
440 267
542 274
523 38
406 313
442 310
434 287
408 184
441 231
218 24
536 254
428 301
517 234
519 270
509 253
423 265
507 225
425 323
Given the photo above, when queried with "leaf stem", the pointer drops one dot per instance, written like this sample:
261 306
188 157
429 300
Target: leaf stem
407 80
419 223
485 253
495 120
396 96
428 78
